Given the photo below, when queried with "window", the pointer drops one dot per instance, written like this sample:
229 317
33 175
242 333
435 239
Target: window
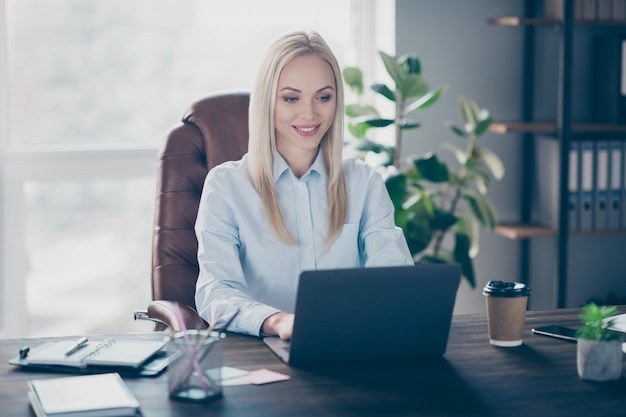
92 87
91 71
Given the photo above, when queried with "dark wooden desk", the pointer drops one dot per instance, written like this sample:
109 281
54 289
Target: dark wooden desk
472 379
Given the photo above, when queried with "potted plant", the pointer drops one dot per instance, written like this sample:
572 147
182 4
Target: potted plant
599 349
431 199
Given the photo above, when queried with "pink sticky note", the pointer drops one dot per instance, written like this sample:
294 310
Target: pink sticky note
264 376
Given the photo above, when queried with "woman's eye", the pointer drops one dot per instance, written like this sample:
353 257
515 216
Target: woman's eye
325 98
290 99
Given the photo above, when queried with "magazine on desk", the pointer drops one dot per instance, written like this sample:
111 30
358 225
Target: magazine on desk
129 357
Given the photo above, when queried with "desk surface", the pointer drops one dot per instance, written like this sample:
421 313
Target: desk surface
472 379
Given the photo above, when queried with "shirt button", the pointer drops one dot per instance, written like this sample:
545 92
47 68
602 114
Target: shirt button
307 251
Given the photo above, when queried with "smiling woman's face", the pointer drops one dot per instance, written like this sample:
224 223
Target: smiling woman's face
305 108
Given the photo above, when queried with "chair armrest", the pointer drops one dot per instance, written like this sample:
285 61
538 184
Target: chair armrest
165 314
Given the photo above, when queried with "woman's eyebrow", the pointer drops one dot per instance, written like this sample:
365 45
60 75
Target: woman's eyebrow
295 90
325 88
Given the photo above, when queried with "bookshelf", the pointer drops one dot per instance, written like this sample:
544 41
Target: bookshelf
564 131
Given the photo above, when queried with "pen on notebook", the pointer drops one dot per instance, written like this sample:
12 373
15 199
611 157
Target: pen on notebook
80 343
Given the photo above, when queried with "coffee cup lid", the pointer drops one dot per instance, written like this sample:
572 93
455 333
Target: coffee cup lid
506 289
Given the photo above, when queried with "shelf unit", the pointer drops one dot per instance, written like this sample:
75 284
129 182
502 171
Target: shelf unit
563 130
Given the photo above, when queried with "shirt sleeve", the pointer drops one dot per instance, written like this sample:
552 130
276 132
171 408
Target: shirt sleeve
221 288
382 242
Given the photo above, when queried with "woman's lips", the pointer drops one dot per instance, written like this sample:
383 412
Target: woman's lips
308 130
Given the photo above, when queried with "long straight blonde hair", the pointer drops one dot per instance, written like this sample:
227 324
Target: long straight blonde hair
262 138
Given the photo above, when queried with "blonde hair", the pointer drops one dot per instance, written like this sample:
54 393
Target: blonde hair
262 136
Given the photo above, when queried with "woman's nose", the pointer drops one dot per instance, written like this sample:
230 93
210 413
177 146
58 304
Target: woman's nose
307 110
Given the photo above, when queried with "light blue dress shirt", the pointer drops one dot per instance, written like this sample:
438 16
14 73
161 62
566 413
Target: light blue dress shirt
245 266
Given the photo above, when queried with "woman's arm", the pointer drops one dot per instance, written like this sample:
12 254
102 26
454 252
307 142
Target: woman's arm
221 288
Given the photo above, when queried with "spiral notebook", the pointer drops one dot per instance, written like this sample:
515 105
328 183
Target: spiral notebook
105 352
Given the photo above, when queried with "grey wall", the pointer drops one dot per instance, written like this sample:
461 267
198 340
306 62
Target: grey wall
458 47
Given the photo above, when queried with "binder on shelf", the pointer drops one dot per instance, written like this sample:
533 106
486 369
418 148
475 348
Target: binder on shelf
573 205
554 9
615 185
547 197
589 9
586 186
609 79
618 9
623 188
603 10
601 186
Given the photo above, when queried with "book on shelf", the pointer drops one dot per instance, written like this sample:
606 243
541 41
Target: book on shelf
102 395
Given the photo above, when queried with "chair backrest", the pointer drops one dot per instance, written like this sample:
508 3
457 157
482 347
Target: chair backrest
213 130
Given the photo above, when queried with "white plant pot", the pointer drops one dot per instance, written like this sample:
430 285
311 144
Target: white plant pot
599 361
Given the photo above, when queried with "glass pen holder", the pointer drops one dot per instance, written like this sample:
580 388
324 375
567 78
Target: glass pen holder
194 371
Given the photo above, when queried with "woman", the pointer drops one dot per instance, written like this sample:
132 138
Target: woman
291 203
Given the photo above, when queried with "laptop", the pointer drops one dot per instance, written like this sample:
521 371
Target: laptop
369 314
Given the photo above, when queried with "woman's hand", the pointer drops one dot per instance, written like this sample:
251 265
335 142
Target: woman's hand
279 324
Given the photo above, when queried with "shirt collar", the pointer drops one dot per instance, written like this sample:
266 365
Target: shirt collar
280 166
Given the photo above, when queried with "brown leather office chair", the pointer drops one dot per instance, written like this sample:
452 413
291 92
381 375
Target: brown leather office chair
212 131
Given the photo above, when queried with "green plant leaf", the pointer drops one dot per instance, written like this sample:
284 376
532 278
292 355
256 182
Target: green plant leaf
412 85
373 121
396 187
428 259
457 130
442 220
467 225
597 322
426 100
458 153
483 124
430 168
353 77
393 68
407 124
479 179
410 64
481 208
367 145
461 255
421 204
417 238
492 161
358 130
357 110
469 112
384 91
417 229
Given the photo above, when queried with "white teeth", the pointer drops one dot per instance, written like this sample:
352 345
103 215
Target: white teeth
306 129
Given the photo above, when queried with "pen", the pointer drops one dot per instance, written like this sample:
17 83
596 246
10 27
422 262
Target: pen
81 343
